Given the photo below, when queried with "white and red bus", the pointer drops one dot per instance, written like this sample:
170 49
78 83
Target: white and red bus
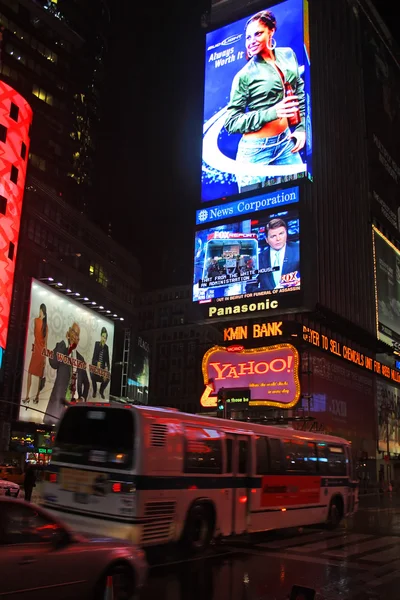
157 475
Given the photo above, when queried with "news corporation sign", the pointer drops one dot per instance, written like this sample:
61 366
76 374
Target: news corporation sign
274 199
271 373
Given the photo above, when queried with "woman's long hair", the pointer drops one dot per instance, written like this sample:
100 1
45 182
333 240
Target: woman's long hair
44 324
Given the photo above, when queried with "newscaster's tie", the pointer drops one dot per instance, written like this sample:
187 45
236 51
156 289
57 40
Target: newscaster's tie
277 273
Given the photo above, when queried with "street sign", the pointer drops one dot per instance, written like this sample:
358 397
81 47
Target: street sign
237 397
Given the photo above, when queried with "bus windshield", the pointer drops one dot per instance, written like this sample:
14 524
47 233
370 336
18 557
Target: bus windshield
93 435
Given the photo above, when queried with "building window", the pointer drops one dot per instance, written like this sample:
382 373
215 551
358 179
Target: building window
14 112
14 174
42 95
3 133
3 205
23 151
36 161
56 148
99 274
11 250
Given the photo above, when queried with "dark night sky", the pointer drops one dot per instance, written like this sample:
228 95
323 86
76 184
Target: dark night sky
149 158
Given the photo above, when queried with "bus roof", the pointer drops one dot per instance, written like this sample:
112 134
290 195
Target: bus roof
227 425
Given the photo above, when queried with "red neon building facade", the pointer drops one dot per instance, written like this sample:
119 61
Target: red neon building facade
15 121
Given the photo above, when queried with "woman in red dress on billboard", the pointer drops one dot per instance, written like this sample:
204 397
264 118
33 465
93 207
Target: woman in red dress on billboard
266 106
36 366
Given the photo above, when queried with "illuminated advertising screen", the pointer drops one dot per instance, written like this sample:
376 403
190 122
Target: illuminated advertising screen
387 289
138 378
15 122
388 406
257 102
68 355
251 260
270 373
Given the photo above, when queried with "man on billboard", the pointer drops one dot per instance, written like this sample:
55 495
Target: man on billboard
101 359
71 380
279 259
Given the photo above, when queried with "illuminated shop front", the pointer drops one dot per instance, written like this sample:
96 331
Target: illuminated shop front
319 381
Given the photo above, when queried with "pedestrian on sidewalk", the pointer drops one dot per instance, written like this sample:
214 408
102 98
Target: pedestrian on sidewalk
29 482
381 478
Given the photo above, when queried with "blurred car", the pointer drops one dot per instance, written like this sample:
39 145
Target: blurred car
8 488
42 559
14 474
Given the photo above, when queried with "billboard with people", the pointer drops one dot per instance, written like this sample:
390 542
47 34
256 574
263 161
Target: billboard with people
257 102
251 260
68 355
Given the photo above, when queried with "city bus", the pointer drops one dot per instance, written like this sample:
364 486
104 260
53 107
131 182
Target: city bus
155 476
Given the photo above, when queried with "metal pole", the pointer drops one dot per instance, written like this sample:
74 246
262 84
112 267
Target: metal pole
387 445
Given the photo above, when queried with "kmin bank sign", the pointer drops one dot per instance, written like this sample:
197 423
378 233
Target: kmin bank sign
270 373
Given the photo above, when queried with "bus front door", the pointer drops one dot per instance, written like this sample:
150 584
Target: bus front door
241 476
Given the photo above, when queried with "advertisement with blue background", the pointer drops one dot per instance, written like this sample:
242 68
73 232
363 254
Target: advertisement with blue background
246 206
256 257
222 168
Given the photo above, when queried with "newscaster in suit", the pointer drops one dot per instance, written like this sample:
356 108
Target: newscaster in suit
101 359
279 258
71 382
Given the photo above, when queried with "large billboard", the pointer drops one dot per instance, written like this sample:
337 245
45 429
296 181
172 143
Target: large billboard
138 378
388 407
68 355
381 73
251 260
257 102
269 374
387 289
15 122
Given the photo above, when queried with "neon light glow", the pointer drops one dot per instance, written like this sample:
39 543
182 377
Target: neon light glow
270 373
15 121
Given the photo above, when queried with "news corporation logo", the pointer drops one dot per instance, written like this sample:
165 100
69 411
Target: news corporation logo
203 215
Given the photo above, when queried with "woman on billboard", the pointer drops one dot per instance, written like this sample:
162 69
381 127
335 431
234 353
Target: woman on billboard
267 106
36 366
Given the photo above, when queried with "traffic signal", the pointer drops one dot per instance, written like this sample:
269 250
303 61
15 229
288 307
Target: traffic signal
221 404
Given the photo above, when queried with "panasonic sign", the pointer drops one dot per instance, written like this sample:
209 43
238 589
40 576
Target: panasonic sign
249 205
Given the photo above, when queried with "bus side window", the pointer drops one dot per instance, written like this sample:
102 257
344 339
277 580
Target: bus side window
322 455
311 458
262 467
300 456
275 455
242 459
228 442
331 460
337 461
202 454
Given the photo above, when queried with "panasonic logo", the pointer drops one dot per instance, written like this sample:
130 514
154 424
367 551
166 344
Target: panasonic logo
213 311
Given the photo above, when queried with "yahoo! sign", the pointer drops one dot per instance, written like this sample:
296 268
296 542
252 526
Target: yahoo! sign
270 373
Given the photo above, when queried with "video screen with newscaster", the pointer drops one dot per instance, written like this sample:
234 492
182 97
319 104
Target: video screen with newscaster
254 257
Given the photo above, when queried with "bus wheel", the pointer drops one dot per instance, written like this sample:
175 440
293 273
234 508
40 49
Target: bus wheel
335 513
198 529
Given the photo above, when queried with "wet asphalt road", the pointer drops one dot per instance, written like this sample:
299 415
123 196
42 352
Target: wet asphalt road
359 561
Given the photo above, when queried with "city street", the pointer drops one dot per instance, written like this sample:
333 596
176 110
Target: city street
359 561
